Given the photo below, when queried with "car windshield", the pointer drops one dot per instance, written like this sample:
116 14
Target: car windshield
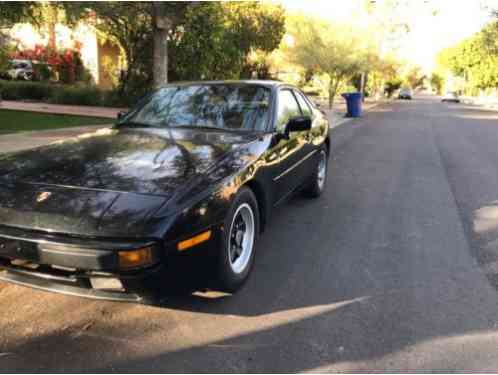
16 64
218 106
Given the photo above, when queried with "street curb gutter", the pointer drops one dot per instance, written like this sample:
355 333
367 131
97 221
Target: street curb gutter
347 119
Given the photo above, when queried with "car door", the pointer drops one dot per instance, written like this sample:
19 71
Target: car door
290 152
310 147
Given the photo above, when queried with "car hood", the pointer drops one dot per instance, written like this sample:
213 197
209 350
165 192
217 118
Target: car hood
145 161
108 183
70 211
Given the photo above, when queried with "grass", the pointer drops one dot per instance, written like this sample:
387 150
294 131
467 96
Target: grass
20 121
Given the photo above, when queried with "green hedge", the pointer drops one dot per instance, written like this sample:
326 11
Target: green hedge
19 90
60 94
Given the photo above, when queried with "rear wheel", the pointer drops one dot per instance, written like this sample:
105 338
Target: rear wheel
239 239
319 178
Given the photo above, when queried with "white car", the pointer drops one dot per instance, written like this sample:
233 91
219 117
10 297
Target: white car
451 97
21 69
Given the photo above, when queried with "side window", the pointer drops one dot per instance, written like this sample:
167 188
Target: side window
287 108
303 104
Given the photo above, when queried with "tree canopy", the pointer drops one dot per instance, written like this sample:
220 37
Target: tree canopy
325 48
475 59
337 51
206 40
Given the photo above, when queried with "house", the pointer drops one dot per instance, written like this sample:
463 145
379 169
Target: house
101 58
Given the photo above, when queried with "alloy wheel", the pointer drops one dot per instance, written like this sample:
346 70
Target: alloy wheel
241 238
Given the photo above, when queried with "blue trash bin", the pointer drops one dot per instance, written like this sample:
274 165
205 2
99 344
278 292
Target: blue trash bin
353 103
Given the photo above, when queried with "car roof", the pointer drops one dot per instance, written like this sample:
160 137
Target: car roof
259 82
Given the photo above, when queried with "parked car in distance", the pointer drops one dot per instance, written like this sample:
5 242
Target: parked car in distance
20 70
451 97
405 93
194 168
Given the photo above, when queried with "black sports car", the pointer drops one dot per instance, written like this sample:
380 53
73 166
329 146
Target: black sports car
192 168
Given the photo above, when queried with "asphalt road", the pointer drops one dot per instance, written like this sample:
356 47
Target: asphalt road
395 268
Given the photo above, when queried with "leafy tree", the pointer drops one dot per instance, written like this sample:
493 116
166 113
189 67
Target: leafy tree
415 78
392 85
437 82
382 70
325 48
11 13
129 25
200 40
475 59
14 12
219 37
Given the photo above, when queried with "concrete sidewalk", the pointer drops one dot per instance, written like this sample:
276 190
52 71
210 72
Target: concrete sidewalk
76 110
27 140
489 103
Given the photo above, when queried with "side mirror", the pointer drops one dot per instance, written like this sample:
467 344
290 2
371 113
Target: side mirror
298 124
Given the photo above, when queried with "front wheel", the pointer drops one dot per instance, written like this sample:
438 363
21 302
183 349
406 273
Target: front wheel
240 234
319 177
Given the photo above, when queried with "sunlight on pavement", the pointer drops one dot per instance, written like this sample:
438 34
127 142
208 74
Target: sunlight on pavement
486 218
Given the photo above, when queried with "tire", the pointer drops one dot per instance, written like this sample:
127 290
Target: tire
239 238
319 177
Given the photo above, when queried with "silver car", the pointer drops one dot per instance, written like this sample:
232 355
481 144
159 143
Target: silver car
451 97
21 69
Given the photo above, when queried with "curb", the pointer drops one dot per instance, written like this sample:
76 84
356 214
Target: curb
343 120
475 102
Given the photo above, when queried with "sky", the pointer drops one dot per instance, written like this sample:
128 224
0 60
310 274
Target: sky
434 24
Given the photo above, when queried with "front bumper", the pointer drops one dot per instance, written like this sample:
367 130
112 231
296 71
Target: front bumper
136 289
73 266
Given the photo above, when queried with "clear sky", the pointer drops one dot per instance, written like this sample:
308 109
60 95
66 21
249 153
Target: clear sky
434 24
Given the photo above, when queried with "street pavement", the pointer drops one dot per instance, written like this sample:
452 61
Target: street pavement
394 268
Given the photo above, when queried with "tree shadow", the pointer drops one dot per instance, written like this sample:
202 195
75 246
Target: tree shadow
362 334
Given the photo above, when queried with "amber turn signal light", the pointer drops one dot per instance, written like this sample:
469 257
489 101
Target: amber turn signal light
203 237
135 258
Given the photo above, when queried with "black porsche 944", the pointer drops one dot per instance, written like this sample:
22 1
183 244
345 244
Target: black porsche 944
192 168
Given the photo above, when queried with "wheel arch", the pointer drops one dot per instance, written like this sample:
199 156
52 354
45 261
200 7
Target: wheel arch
262 199
327 145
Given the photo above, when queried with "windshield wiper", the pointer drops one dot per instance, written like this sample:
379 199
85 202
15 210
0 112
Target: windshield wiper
206 127
136 124
195 127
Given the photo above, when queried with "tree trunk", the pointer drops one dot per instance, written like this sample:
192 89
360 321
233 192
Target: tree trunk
333 86
51 19
161 28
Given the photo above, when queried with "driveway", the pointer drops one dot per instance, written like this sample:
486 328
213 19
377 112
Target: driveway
393 269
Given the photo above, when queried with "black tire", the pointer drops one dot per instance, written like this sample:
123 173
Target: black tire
230 278
318 182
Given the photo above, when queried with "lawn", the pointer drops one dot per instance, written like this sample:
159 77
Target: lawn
20 121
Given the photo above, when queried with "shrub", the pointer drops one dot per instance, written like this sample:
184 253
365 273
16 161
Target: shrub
41 72
62 94
74 95
19 90
392 85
